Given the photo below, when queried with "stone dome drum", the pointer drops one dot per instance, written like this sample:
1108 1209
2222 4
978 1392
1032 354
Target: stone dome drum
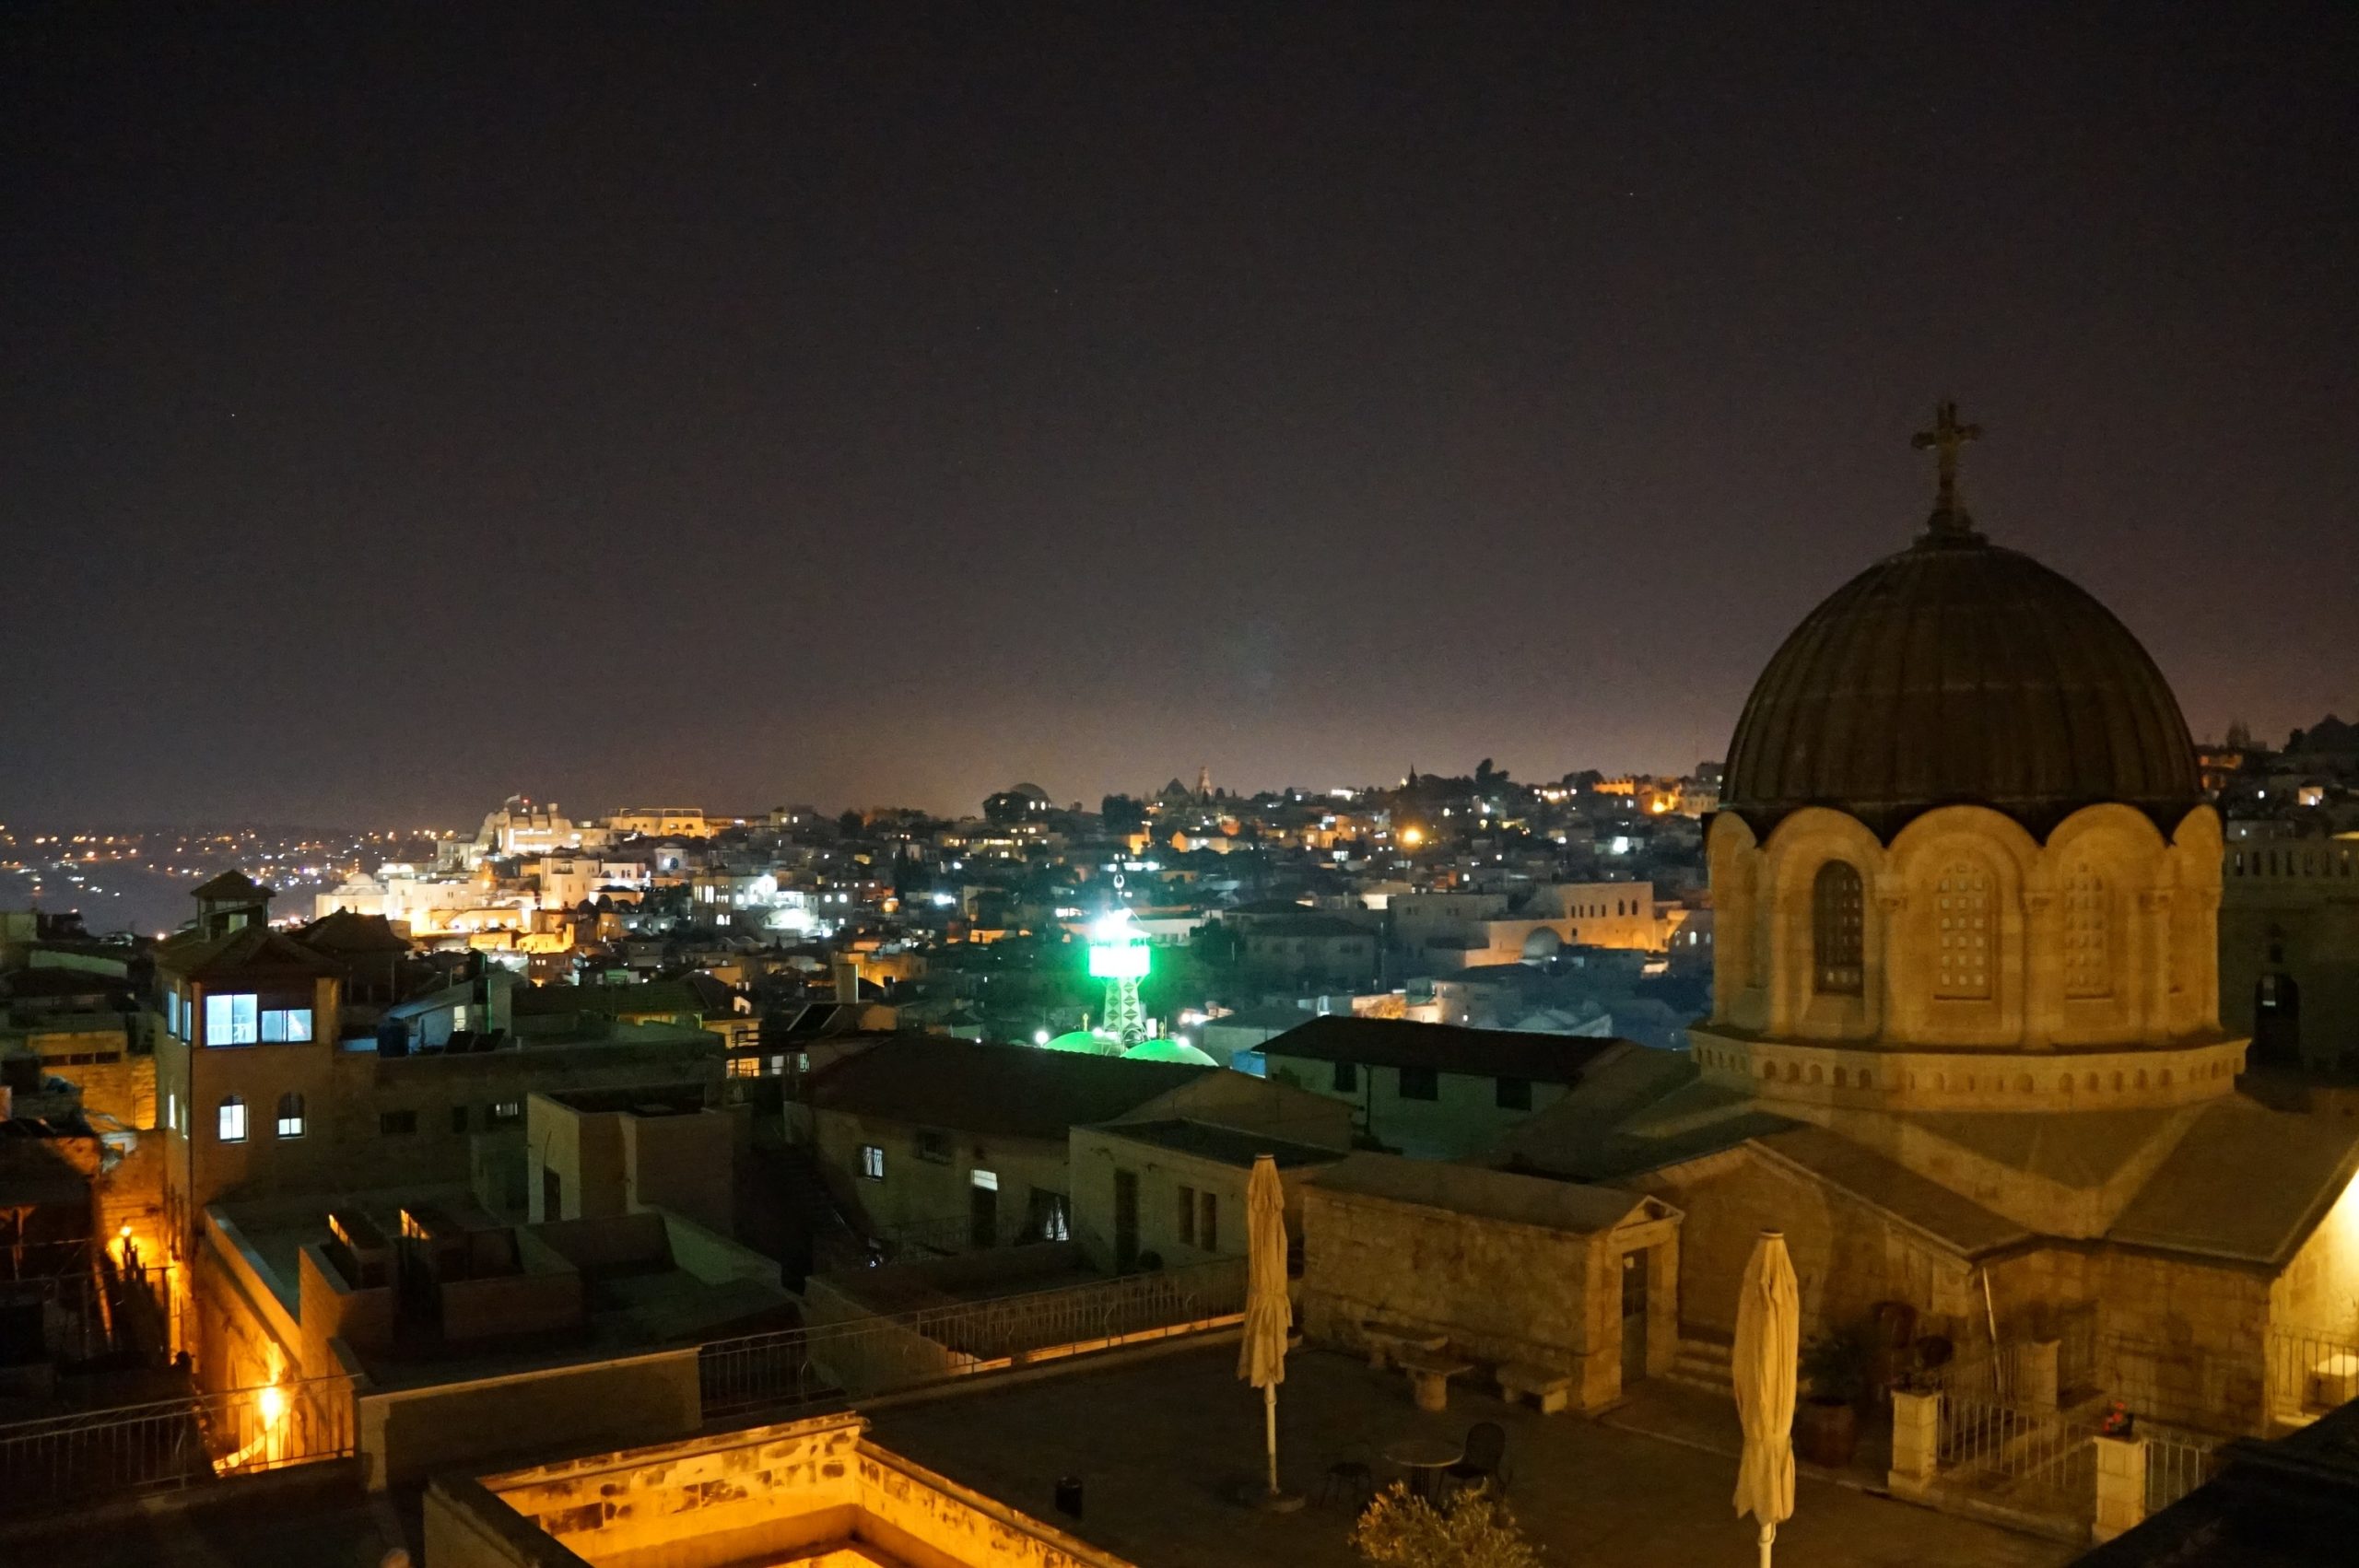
1959 672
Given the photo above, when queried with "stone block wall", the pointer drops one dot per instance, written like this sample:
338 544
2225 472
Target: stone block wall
1848 1257
2177 1338
1500 1291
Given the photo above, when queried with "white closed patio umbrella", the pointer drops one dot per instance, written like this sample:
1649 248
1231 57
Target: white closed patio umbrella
1762 1366
1262 1354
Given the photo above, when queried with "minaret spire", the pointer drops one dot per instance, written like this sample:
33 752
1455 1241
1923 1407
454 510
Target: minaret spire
1950 520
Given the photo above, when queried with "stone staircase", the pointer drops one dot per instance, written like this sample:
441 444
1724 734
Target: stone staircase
1702 1364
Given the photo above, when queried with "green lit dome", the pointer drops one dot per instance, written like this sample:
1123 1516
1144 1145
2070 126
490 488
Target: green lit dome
1085 1043
1169 1050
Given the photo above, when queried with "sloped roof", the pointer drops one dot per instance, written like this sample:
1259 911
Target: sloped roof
1229 1145
346 932
1446 1047
254 949
230 885
1492 1195
1924 1204
2246 1183
1008 1091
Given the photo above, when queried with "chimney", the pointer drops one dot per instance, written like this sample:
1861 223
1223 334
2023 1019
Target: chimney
847 978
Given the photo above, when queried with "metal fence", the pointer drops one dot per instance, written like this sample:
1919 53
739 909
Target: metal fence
2045 1461
2308 1374
2175 1465
172 1443
2037 1460
876 1354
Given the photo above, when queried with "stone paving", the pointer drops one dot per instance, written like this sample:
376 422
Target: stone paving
1161 1443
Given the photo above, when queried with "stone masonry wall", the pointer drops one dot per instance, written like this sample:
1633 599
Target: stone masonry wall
1848 1256
1504 1291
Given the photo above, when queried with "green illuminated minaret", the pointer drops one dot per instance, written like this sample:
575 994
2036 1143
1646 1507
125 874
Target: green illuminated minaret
1118 955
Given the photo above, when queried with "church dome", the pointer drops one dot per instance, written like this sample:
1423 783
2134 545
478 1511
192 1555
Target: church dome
1958 672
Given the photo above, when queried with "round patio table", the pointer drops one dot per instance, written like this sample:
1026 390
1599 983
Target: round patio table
1425 1458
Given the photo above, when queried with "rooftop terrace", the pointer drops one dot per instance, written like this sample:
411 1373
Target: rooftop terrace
1160 1442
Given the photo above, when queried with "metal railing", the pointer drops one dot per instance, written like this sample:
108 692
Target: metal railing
953 1234
2044 1461
2308 1374
2037 1460
2177 1465
172 1443
872 1356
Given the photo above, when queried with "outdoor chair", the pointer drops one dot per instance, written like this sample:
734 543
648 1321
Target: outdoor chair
1349 1479
1486 1459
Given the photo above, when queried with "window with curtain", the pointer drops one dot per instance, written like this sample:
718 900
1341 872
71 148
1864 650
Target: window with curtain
1836 904
290 1114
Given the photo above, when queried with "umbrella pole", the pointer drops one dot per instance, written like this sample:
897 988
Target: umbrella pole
1768 1535
1270 1426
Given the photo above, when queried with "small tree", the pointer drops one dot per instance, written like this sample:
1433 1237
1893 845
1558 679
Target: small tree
1403 1531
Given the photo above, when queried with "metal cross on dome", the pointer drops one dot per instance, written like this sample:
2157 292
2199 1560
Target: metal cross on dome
1946 438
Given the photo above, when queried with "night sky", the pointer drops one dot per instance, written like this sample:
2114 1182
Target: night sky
752 404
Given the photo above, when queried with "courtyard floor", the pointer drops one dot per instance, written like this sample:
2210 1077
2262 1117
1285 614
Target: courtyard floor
1161 1443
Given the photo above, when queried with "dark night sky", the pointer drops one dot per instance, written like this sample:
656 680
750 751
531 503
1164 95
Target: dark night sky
738 405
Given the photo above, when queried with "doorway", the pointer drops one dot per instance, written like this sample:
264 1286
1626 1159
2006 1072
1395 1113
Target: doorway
1633 1318
1126 1220
983 1208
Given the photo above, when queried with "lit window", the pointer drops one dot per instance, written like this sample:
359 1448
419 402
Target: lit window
233 1020
281 1024
290 1114
507 1113
871 1162
233 1125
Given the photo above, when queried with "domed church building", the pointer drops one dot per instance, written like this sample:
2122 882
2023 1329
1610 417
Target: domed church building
1964 1047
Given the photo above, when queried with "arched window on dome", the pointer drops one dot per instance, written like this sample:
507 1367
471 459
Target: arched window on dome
1962 916
1836 904
2088 958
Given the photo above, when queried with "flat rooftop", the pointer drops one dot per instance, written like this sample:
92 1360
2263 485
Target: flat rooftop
1159 1440
648 1279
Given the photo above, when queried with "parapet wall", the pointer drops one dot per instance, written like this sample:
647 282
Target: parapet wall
757 1495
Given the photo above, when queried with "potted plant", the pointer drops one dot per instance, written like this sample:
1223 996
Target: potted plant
1835 1375
1476 1532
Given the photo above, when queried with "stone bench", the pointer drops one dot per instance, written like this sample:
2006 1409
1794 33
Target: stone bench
1429 1374
1551 1389
1389 1339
